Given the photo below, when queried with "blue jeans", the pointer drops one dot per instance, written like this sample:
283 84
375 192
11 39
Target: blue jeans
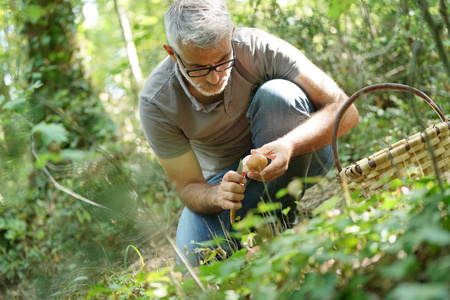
277 107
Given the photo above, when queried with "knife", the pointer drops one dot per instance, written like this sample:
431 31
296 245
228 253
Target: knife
233 211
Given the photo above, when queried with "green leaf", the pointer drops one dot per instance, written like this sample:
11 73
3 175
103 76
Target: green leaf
73 155
337 7
37 84
34 13
399 269
230 269
438 269
140 277
389 203
51 132
281 193
396 183
434 235
158 276
326 205
417 291
46 157
268 207
15 105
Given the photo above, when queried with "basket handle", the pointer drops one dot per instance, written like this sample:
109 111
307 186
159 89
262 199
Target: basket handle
366 90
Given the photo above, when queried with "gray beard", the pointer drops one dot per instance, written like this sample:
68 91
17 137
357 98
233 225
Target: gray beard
199 87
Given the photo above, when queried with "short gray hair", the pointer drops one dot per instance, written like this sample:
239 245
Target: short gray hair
201 23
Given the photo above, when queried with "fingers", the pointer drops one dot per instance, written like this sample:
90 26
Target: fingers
231 190
267 175
276 168
232 176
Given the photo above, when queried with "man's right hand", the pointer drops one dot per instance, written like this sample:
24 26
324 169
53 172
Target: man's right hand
200 196
231 191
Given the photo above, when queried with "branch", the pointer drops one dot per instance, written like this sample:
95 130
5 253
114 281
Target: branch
391 43
366 12
131 47
60 187
436 29
395 71
444 14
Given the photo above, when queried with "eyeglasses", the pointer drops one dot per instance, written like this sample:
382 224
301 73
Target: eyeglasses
205 71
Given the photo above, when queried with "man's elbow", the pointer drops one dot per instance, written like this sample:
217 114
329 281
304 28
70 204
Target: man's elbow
349 120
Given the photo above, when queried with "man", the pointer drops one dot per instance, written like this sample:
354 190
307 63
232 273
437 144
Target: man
221 93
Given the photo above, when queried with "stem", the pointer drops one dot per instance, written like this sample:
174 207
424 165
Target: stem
185 262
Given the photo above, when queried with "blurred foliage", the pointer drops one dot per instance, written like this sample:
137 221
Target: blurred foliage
55 127
68 112
392 246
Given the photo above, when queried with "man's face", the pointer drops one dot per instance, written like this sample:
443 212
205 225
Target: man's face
194 58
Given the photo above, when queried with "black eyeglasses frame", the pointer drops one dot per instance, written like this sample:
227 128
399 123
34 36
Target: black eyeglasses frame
209 69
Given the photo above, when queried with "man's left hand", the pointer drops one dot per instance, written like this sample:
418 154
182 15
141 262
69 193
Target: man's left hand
279 152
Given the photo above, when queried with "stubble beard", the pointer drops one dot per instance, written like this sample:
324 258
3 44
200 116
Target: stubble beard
205 87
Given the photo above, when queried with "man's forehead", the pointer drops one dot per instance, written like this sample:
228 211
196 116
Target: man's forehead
193 55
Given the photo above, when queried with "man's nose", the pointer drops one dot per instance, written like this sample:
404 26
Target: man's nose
213 77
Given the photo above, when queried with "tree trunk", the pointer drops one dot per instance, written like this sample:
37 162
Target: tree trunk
65 96
131 48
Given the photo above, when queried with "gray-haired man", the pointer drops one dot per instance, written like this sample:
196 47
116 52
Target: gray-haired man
222 92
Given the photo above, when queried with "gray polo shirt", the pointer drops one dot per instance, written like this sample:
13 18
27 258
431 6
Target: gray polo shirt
175 122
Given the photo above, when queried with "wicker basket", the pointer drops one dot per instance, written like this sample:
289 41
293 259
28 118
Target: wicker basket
424 153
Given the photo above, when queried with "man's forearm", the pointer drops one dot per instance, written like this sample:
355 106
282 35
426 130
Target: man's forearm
200 198
305 138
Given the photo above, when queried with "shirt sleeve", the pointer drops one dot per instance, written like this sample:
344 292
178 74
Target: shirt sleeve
163 135
269 57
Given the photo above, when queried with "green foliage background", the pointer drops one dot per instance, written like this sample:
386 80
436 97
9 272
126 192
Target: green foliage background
68 113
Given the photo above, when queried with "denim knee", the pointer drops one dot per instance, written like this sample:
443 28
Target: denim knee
285 91
278 107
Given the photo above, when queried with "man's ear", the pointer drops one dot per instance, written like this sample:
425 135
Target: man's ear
170 51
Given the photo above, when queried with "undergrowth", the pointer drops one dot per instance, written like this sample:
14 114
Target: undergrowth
395 245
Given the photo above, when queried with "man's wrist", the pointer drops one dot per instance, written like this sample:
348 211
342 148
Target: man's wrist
288 143
215 198
202 198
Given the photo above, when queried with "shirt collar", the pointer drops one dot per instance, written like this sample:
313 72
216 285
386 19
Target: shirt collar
194 102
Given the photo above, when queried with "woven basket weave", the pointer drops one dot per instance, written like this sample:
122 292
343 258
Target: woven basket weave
423 153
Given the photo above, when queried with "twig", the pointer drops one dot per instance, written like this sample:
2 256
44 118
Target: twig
436 30
60 187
